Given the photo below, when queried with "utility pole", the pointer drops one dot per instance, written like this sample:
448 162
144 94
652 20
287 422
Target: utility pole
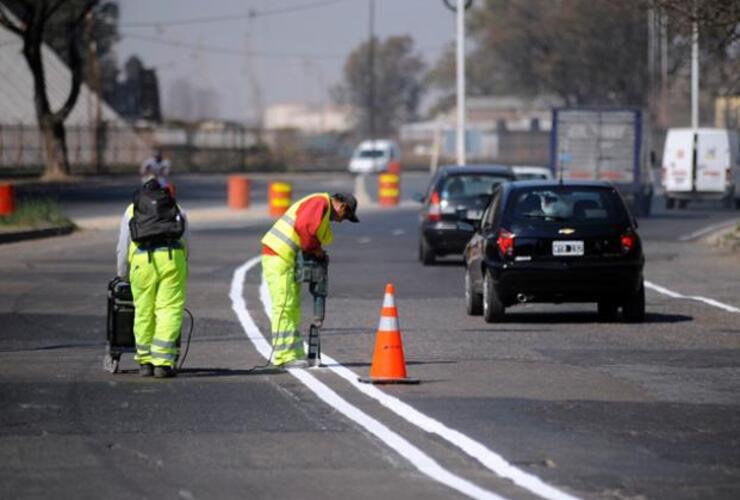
694 72
94 89
460 143
371 70
459 9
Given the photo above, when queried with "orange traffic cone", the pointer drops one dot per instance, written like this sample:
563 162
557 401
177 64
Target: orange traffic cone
389 366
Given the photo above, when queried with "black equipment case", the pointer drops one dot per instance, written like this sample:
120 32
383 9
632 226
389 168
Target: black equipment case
120 326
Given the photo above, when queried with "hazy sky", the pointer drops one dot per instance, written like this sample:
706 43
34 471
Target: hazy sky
296 56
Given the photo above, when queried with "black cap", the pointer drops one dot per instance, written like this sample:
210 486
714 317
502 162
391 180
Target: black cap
351 202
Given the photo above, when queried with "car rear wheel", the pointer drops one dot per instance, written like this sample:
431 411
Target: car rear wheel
426 254
607 310
473 299
633 309
493 308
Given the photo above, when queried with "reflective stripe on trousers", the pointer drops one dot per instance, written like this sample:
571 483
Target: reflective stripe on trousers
279 274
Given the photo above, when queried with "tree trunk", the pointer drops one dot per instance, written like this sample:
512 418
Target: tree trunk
55 159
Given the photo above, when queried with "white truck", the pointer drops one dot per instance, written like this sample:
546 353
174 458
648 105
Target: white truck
701 164
604 144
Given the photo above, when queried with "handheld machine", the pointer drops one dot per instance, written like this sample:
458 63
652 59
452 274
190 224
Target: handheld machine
315 272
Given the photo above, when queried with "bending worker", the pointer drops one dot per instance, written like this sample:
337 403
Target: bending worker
303 228
152 255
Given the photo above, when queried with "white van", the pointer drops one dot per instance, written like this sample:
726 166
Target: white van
701 164
374 156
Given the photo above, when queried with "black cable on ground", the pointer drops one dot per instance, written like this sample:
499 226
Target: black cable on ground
187 344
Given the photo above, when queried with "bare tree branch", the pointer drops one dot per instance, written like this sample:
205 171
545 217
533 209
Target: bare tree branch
75 63
10 25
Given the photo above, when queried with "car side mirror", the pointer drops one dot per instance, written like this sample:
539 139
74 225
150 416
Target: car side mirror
418 197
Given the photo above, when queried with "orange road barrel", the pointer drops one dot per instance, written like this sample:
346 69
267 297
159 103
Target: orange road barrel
279 197
394 167
7 199
238 192
388 189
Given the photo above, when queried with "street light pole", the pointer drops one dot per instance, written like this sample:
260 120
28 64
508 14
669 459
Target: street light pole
460 142
694 73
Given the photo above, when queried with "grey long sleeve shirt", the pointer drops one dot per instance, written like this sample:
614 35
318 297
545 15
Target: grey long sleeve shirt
124 240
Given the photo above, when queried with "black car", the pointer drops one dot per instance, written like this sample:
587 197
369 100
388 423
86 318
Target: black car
547 241
456 196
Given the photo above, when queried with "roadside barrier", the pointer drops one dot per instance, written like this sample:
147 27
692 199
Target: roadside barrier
7 199
238 192
389 365
279 198
388 190
394 167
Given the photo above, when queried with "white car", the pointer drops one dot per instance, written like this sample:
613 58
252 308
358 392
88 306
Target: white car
374 156
526 172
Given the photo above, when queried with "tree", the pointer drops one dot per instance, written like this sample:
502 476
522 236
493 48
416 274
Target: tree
35 18
397 81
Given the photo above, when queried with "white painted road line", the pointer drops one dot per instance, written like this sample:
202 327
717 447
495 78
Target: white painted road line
423 462
708 229
486 457
706 300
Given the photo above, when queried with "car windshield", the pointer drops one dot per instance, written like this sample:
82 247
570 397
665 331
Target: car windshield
470 185
574 204
370 153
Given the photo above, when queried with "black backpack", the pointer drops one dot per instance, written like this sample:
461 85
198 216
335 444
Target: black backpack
157 219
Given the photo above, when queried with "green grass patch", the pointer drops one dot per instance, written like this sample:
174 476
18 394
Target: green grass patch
35 213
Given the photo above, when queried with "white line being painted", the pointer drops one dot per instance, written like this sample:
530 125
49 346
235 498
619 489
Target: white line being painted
708 229
488 458
706 300
423 462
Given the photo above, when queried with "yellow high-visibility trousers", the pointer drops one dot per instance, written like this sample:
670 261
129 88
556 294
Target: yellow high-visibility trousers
285 293
158 285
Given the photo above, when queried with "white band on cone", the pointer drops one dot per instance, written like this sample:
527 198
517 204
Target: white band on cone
388 324
388 300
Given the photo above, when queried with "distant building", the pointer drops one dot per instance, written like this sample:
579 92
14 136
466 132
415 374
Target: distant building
501 128
306 118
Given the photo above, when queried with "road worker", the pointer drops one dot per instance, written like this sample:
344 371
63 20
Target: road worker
153 256
157 166
303 228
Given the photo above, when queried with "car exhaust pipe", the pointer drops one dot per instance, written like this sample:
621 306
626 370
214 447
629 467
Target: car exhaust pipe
521 298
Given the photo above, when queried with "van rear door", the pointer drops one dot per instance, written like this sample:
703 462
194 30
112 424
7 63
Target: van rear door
677 161
713 160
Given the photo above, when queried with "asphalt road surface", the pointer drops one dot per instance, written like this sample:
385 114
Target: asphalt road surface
549 404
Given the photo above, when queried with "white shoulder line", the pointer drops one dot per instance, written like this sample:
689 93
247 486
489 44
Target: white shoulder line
488 458
423 462
677 295
708 229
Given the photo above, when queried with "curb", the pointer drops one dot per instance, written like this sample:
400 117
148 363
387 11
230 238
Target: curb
33 234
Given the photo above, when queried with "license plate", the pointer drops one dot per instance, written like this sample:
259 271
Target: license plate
567 248
474 214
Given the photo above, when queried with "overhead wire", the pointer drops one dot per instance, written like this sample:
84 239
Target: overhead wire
251 14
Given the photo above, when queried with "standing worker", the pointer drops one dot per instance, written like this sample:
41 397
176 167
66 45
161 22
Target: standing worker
153 256
157 166
303 228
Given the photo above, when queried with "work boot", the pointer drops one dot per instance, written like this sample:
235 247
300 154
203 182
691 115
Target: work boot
146 370
164 372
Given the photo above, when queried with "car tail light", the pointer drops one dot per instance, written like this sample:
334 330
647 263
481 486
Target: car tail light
628 241
435 211
505 242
